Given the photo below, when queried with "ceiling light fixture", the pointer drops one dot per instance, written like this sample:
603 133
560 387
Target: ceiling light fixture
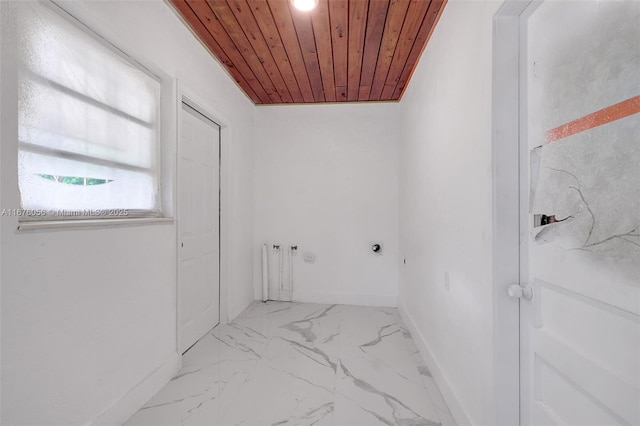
305 5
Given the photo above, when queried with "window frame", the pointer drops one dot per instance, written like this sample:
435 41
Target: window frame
34 218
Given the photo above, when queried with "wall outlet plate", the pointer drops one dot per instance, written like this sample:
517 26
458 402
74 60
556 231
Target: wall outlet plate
309 257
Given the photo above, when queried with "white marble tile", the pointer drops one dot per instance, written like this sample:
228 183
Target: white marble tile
213 370
299 393
381 379
434 393
285 363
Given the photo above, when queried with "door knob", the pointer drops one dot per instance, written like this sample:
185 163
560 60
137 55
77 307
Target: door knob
518 291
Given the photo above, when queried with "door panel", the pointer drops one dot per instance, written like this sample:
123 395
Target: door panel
580 248
198 228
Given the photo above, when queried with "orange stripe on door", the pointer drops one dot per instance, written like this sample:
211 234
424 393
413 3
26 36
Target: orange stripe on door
607 115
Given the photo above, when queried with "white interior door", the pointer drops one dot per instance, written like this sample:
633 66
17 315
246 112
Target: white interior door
580 128
198 227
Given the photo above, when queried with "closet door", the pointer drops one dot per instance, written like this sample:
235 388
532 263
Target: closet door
198 227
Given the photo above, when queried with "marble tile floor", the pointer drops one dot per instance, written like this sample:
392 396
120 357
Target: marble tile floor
285 363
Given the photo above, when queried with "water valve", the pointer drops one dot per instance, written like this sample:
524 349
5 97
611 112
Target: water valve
376 248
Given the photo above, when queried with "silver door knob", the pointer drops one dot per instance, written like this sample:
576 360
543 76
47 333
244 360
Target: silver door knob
518 291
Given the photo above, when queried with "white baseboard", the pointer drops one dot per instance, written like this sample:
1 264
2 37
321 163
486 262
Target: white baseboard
450 397
346 299
133 400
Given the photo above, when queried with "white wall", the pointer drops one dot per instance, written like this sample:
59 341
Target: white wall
446 207
326 179
89 314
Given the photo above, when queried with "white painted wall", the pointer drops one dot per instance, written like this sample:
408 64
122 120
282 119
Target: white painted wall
88 315
326 179
446 208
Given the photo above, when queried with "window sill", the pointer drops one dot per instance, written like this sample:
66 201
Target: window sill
92 223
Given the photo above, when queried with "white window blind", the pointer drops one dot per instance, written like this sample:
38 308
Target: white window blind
88 122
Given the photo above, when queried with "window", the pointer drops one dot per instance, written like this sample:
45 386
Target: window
89 131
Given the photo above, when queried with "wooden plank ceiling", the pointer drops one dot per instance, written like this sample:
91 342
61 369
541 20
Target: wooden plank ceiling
341 51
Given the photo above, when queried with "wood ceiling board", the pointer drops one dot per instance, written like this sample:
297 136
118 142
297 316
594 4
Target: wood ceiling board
376 19
357 28
306 38
322 34
244 17
392 27
264 20
210 43
343 50
215 29
414 18
240 42
339 17
284 23
424 34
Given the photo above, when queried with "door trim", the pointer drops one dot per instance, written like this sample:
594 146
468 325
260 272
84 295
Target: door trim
184 95
506 210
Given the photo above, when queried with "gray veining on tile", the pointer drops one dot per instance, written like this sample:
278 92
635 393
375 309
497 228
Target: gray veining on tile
285 363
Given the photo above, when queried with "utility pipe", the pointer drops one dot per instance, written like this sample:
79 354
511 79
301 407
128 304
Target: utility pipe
280 259
292 249
265 274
